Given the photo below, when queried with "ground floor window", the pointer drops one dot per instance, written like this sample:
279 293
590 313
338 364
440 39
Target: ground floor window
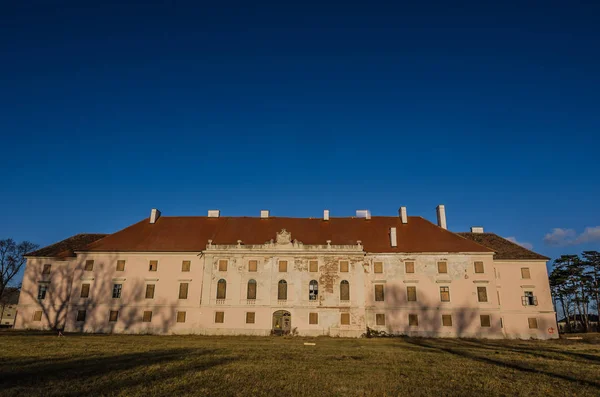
446 320
485 320
380 319
533 324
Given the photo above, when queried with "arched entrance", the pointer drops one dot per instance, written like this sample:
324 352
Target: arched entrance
282 322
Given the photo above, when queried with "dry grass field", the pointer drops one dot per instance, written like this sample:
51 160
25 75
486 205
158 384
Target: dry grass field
126 365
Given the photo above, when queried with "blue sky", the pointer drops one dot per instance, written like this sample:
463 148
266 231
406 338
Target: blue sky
491 109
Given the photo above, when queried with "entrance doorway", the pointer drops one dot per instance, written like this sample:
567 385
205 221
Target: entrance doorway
282 322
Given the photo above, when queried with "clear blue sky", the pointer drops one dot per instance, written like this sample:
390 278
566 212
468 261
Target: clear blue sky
491 109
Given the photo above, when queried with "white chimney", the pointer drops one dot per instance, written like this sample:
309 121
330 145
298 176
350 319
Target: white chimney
154 215
363 214
393 240
476 229
214 213
325 215
441 216
403 215
264 213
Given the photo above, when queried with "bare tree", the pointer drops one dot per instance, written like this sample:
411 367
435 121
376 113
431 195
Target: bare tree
12 259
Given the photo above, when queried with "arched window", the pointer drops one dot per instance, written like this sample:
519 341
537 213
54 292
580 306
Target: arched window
344 290
282 290
251 290
313 290
221 289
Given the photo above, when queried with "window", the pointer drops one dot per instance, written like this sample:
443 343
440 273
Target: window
183 290
313 290
147 317
219 317
380 319
532 323
121 266
413 320
485 320
252 266
478 267
47 268
529 299
221 289
223 265
482 294
313 266
42 289
344 290
446 320
181 317
89 265
153 266
251 293
185 267
37 316
525 272
378 267
344 266
282 290
250 316
85 291
445 294
117 288
313 318
409 267
80 315
283 266
442 267
345 318
150 291
411 294
379 294
113 316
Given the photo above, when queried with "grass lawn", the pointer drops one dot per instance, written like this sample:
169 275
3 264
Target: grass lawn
43 364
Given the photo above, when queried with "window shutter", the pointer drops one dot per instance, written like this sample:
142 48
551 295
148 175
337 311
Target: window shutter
411 294
485 320
252 265
221 289
380 319
442 267
186 266
313 266
533 324
446 320
344 266
313 318
153 267
120 265
183 290
479 267
345 290
378 267
445 294
250 318
413 320
282 266
251 290
181 317
150 291
409 267
379 294
482 294
223 265
525 273
147 316
85 290
345 318
219 317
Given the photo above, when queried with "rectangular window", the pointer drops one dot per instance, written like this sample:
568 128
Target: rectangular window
313 266
529 299
150 291
532 323
344 291
153 266
409 267
186 266
380 319
117 288
223 265
413 320
411 294
252 266
442 267
181 317
378 267
485 320
445 294
283 266
219 317
183 290
525 272
114 315
482 294
80 315
379 294
478 267
345 318
121 266
344 266
251 292
446 320
89 265
85 291
147 316
47 268
250 316
37 316
42 290
313 318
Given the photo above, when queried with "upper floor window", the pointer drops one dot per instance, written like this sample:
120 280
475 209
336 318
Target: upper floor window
282 290
378 267
252 265
150 291
283 266
120 265
442 267
223 265
409 267
153 266
117 288
185 267
529 299
478 267
379 293
344 266
85 290
42 290
411 294
47 268
313 290
251 293
344 290
221 289
525 273
313 266
445 294
183 290
89 265
482 294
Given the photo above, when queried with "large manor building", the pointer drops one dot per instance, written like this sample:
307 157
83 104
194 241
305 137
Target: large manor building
308 276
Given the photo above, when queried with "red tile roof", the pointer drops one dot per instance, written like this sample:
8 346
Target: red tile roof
191 234
504 249
65 248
